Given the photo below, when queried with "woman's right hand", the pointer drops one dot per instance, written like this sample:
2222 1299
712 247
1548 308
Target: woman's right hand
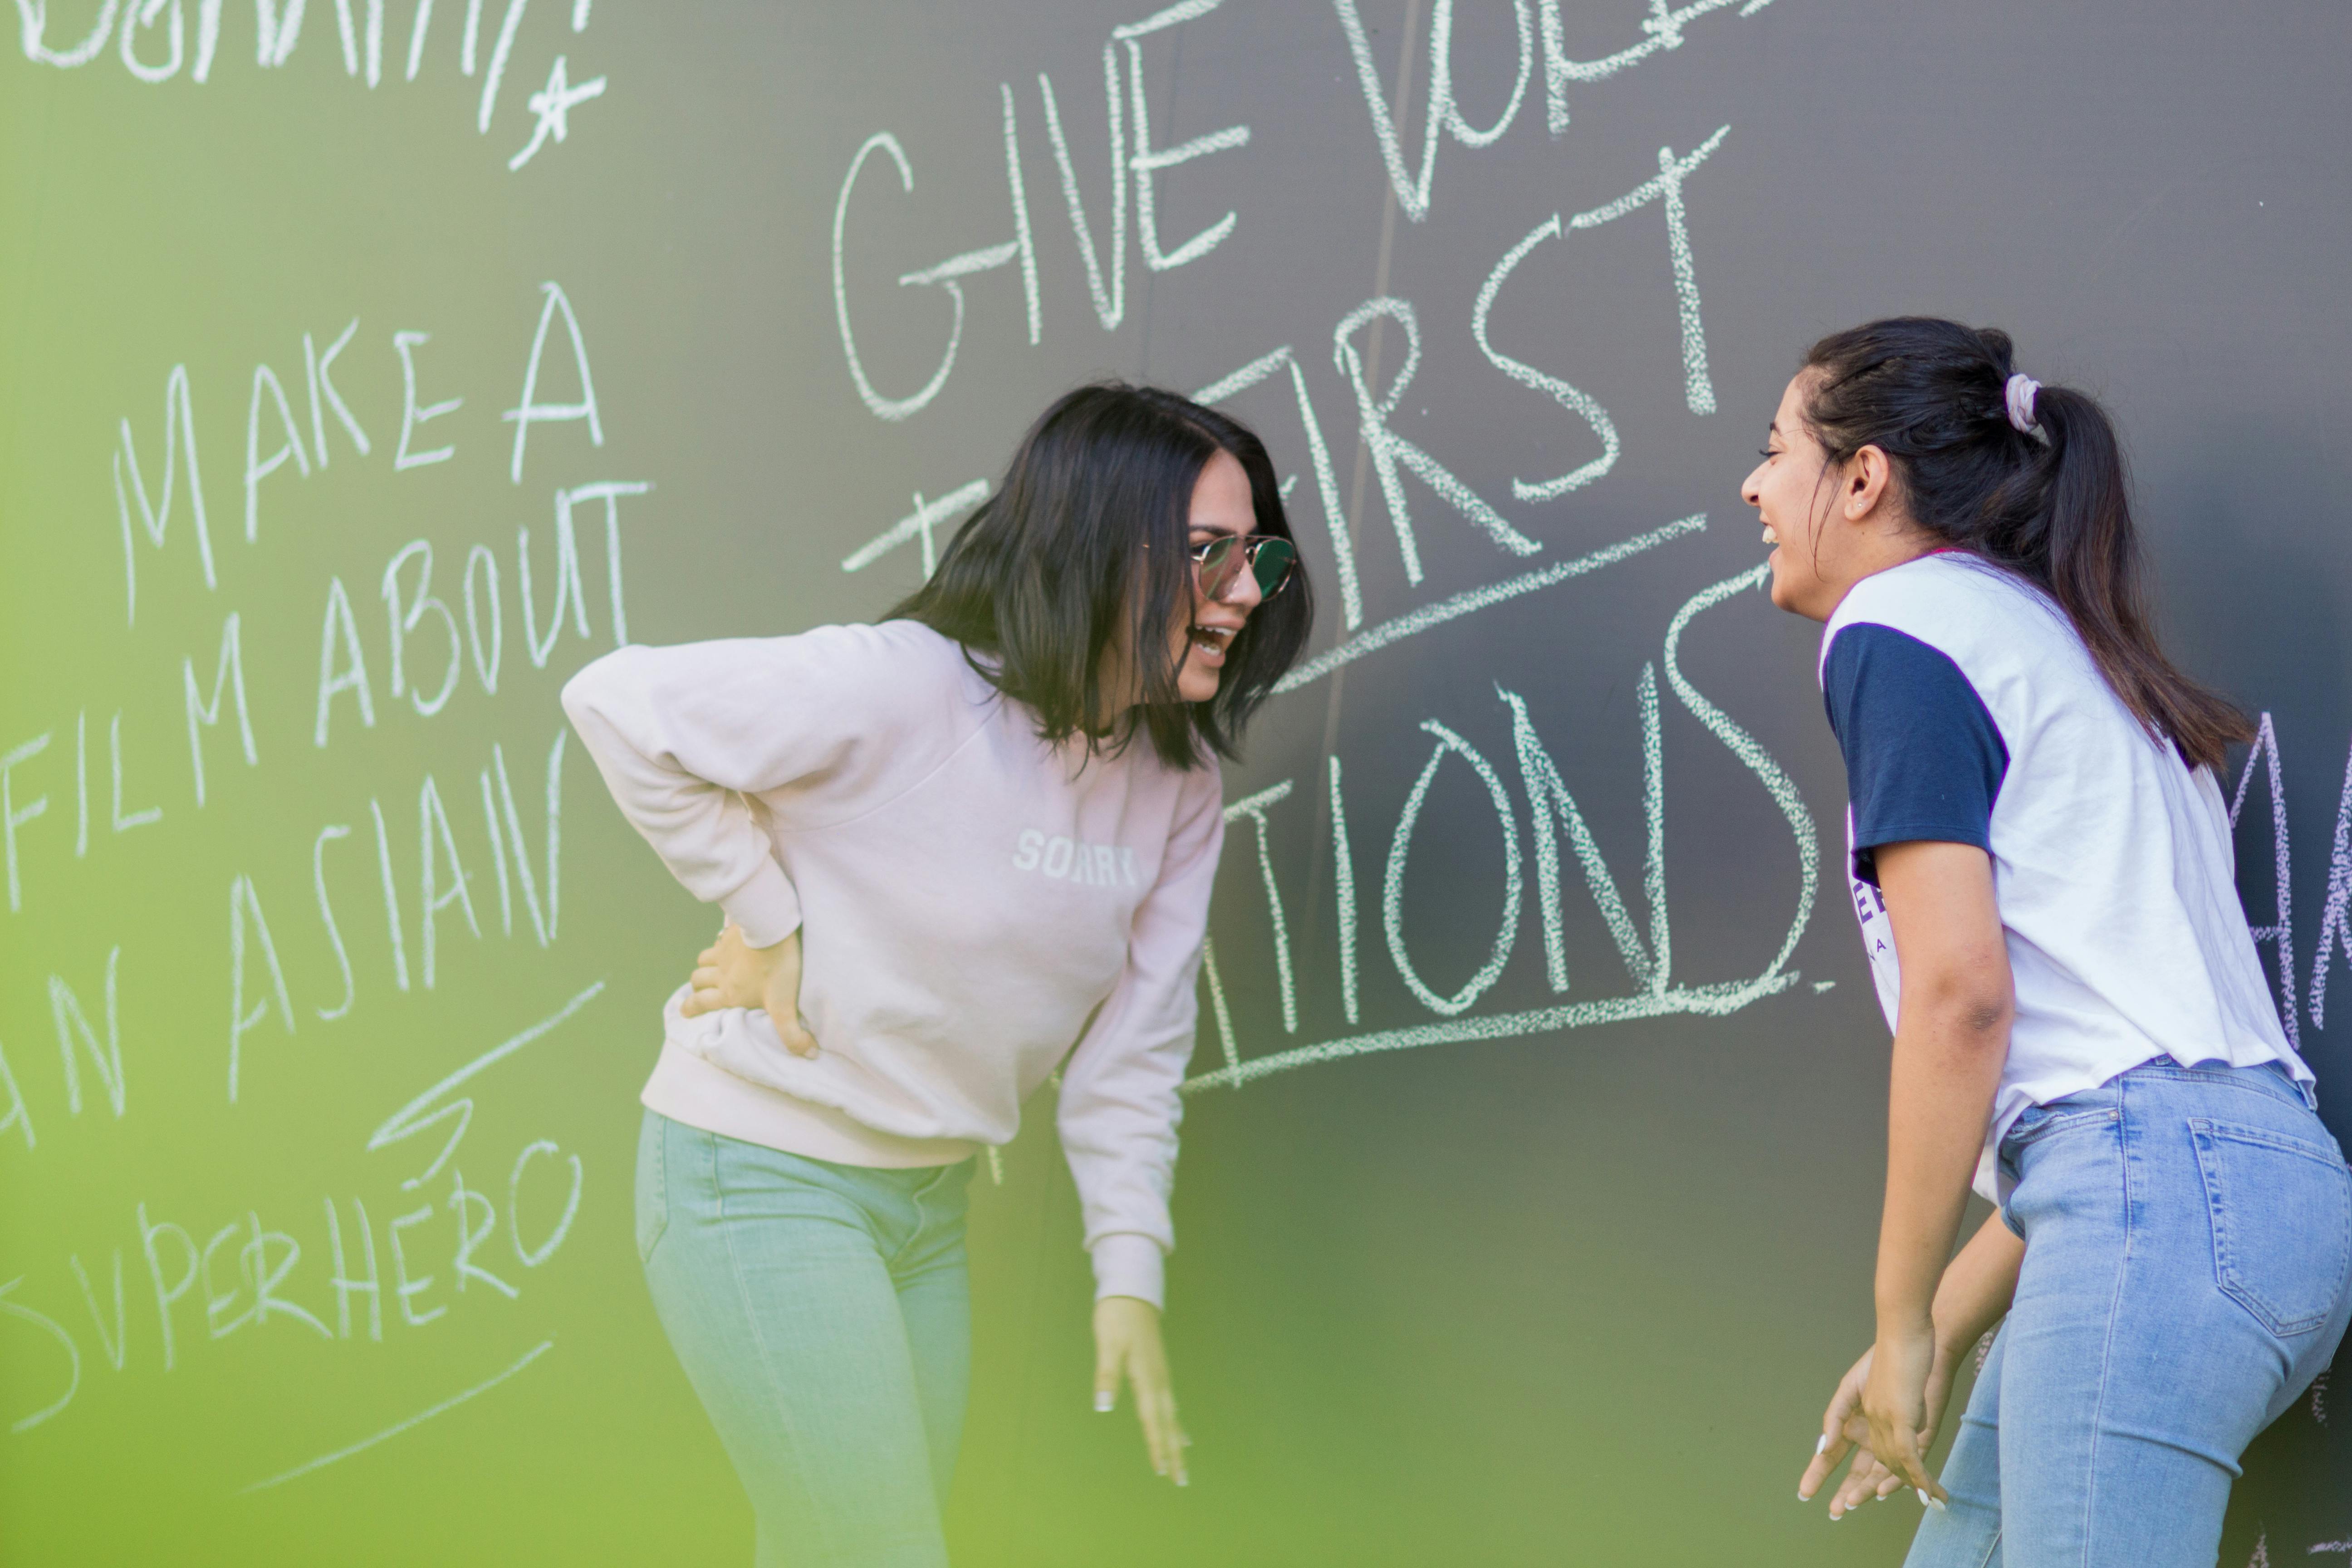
1846 1430
732 974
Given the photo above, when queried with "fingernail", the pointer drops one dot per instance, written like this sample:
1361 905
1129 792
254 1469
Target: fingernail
1821 1444
1937 1504
1104 1400
1804 1496
1182 1480
1923 1495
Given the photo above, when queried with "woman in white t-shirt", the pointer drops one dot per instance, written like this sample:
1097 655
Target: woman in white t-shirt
2042 864
956 849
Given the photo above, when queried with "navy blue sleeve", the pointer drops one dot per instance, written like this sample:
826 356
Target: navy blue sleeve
1923 758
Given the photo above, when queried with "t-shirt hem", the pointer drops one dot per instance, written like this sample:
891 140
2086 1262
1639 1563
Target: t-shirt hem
1862 856
1916 832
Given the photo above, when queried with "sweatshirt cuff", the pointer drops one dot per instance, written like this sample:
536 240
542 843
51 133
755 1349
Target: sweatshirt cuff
767 907
1129 1264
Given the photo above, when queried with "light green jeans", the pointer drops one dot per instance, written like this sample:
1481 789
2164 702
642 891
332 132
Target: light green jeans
824 1314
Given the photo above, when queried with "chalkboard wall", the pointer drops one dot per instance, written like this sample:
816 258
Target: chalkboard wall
370 366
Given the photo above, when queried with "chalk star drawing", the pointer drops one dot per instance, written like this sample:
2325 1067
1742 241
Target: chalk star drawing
552 104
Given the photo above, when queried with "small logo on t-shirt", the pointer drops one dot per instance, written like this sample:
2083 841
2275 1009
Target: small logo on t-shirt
1076 860
1869 903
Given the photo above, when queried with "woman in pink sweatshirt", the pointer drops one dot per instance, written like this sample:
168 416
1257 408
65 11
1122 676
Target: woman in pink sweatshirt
947 845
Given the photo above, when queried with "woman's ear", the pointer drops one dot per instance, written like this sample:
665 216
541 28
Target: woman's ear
1868 479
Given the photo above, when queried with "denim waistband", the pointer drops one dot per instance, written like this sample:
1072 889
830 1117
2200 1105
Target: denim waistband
2274 1079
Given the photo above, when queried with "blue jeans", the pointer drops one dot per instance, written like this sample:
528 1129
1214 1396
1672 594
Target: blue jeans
823 1315
2188 1271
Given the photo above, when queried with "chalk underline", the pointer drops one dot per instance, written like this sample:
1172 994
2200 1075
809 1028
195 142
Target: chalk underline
398 1125
1421 620
397 1428
1711 1000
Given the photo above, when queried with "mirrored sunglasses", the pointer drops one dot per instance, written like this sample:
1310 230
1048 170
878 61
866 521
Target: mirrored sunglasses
1217 566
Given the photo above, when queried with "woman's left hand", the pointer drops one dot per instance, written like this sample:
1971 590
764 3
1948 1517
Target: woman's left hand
1895 1400
1128 1349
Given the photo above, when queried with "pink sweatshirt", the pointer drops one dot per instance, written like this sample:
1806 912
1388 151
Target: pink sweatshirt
970 902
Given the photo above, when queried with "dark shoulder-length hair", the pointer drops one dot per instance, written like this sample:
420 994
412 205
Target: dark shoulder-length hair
2050 502
1087 539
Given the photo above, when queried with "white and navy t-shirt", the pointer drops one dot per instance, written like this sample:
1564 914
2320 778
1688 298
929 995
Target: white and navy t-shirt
1970 712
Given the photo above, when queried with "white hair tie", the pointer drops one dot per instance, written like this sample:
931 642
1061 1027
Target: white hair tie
2019 395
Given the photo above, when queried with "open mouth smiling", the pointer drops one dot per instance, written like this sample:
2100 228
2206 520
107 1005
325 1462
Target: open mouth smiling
1211 639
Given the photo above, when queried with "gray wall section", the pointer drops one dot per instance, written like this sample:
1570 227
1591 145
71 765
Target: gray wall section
2151 198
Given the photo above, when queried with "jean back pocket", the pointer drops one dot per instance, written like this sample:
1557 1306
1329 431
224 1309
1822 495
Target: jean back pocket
2282 1214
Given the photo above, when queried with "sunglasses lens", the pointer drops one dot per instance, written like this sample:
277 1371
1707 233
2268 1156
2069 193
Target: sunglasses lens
1219 564
1274 560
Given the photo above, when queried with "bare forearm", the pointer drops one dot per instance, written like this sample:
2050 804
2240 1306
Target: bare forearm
1977 1288
1951 1039
1946 1066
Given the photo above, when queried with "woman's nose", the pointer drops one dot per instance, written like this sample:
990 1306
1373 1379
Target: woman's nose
1243 593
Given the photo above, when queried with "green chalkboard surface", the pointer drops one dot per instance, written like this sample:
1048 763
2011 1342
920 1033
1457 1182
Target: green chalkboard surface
370 365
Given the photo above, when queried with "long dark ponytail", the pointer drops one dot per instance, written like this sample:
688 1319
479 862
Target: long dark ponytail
2051 504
